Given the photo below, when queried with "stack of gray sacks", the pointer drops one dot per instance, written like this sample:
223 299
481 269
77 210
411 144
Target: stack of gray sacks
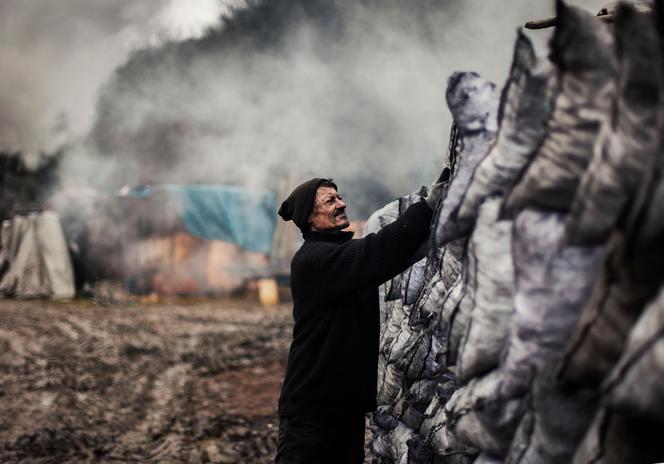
533 331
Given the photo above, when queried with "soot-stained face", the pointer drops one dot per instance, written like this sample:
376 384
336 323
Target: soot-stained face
329 211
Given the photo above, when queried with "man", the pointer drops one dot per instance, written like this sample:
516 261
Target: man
331 376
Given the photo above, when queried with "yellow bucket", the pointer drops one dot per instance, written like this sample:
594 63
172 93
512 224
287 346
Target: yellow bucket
268 292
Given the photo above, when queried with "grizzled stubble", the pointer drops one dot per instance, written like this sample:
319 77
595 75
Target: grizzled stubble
329 212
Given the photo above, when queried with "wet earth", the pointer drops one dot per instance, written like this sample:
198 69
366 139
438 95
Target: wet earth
195 382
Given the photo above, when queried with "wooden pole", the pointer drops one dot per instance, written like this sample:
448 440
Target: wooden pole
550 22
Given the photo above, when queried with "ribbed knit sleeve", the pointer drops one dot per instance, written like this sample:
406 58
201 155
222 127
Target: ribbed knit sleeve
369 261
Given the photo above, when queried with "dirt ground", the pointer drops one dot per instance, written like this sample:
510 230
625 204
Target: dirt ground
194 382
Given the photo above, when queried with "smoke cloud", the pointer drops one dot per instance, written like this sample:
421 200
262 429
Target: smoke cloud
353 90
56 55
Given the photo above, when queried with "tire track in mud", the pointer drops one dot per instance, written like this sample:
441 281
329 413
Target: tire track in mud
156 429
162 383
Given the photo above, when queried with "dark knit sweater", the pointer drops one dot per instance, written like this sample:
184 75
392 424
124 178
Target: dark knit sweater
333 359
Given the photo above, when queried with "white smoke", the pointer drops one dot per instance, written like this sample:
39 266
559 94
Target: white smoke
365 102
56 54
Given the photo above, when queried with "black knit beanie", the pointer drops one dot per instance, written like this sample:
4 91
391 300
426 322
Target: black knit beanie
300 202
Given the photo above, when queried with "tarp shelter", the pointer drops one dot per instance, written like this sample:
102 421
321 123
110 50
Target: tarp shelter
34 259
169 239
219 235
232 214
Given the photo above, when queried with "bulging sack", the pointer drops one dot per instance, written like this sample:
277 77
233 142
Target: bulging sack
583 52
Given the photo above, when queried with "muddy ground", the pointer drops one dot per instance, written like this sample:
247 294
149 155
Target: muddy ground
194 382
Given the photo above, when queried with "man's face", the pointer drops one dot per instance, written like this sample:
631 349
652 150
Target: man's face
329 211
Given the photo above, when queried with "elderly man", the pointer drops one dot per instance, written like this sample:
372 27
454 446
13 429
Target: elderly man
330 381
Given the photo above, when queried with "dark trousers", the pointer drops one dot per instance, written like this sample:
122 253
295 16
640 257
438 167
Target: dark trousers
335 439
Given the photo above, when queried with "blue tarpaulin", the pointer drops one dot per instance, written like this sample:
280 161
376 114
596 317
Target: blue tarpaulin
223 212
